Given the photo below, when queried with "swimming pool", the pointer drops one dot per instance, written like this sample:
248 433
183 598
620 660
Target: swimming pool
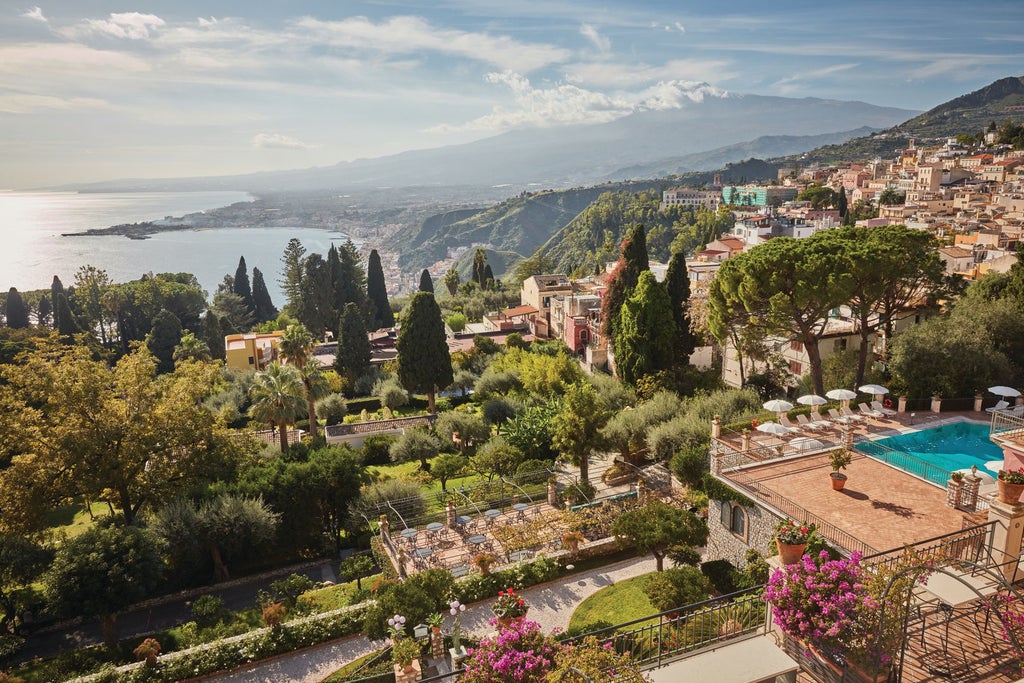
953 446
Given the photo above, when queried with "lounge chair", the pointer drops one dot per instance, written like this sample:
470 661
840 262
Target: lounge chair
836 417
806 423
846 412
1002 405
793 429
869 412
877 405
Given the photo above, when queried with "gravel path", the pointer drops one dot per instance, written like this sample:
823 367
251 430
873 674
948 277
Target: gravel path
551 605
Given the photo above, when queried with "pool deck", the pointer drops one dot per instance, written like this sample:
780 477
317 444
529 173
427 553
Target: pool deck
881 506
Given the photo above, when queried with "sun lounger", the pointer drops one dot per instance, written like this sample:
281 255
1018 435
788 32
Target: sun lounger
869 412
816 425
1002 405
877 405
793 429
836 417
846 412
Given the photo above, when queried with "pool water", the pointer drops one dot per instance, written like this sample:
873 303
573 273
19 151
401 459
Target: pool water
953 446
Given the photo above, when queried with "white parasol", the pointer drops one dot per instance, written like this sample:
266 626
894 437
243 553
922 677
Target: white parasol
812 400
841 394
994 465
1007 392
806 443
874 389
772 428
777 405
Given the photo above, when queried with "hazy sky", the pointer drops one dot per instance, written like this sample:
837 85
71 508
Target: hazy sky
93 90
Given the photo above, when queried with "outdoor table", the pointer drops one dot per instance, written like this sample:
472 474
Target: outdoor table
410 533
463 519
434 527
491 514
521 507
423 552
476 539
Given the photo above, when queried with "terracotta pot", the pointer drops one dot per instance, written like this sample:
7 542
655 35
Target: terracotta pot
505 622
825 660
862 675
790 553
1009 493
838 481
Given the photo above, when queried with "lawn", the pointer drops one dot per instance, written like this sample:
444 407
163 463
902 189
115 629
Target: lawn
616 604
72 520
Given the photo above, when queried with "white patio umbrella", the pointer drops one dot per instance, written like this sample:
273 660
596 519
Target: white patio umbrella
1007 392
844 395
806 443
777 405
875 389
994 465
770 427
812 400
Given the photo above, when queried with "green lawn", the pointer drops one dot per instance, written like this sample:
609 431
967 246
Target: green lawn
72 520
616 604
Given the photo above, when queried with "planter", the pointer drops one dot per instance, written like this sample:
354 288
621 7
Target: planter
790 553
505 622
838 481
819 665
860 675
1009 493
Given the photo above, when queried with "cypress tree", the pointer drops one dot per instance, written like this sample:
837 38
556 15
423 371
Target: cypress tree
45 312
56 289
16 311
842 206
165 335
488 277
479 263
645 340
291 274
337 282
265 309
66 323
677 284
632 262
315 307
426 284
240 285
353 359
424 362
377 293
213 335
353 278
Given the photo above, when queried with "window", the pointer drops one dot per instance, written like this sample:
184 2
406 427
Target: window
840 344
252 361
796 368
734 518
796 346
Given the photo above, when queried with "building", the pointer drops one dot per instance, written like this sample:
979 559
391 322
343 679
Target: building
538 291
690 198
251 351
758 195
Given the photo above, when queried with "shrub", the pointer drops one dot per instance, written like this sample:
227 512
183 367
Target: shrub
390 393
332 408
377 449
676 587
273 614
207 610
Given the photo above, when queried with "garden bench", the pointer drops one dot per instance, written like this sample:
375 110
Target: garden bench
628 495
584 506
752 660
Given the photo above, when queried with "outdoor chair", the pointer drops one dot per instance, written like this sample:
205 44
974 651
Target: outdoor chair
807 423
877 405
836 417
869 412
784 421
1002 405
846 412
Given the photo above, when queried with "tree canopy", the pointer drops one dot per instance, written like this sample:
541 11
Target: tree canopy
377 293
645 341
657 527
424 362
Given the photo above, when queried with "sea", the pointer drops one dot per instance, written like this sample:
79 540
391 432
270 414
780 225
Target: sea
34 250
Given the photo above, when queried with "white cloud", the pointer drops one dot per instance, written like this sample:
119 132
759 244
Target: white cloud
26 103
406 34
602 43
796 82
35 13
630 75
278 141
682 29
129 25
45 61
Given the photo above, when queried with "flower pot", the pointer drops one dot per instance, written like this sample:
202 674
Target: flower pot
861 675
790 553
1009 493
505 622
838 481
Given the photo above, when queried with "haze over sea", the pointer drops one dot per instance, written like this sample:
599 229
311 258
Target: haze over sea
34 251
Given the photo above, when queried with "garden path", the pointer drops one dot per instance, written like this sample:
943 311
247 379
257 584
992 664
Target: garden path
551 605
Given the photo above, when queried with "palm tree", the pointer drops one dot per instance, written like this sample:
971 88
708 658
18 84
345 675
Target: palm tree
278 397
296 348
451 281
191 348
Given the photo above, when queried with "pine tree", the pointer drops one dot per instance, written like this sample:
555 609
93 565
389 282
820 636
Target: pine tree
66 325
315 307
15 310
56 289
423 360
45 312
353 359
291 274
163 338
213 335
632 262
426 284
265 309
241 285
677 285
377 293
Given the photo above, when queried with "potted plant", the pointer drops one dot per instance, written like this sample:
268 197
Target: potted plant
838 459
509 607
147 651
434 621
791 539
571 541
1011 485
521 653
404 651
484 562
956 476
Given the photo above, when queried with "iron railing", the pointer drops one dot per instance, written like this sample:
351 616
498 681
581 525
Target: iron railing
904 461
967 544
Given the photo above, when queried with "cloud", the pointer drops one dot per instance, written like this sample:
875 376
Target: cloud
682 29
795 82
566 104
26 103
630 75
36 14
46 61
602 43
408 35
278 141
129 25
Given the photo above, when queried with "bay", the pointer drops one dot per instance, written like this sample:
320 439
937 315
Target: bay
32 223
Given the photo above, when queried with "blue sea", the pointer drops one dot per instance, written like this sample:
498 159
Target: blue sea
31 224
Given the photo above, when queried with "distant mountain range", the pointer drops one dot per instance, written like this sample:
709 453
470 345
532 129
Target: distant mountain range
568 155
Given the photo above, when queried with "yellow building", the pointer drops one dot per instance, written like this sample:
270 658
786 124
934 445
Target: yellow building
251 351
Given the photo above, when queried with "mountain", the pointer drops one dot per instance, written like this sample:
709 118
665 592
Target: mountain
764 147
968 114
571 155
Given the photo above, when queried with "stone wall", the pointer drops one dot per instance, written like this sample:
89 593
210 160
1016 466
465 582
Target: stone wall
723 544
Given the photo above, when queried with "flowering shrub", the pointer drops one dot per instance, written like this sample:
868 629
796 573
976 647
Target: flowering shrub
816 599
518 654
1012 476
597 661
509 605
791 533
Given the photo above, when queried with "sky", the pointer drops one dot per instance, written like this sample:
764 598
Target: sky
94 90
